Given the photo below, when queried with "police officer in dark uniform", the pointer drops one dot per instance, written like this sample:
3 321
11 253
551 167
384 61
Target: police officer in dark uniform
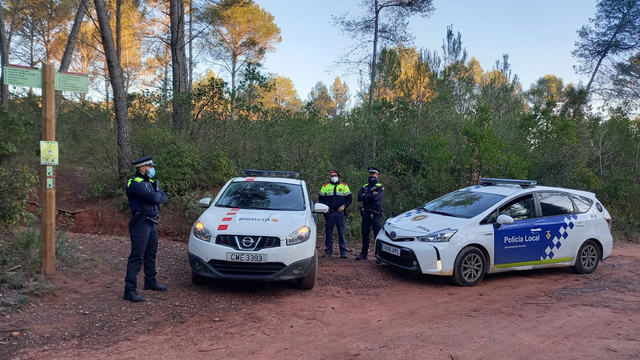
145 198
370 195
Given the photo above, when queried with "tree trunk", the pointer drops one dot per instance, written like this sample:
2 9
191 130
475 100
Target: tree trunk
179 61
234 62
4 59
123 137
119 31
71 44
190 44
375 53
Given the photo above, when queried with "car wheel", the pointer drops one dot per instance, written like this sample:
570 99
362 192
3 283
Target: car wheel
197 279
469 267
588 258
309 281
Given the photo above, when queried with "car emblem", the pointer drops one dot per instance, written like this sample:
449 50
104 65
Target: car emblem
419 217
247 242
393 234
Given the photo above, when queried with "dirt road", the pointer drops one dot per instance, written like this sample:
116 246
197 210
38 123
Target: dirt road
358 310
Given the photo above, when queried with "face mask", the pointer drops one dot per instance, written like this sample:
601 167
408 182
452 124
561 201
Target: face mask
373 180
334 179
152 172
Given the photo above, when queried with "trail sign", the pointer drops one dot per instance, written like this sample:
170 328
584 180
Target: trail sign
22 76
67 81
48 153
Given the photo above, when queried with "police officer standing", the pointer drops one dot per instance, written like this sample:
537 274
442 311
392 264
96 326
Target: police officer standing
337 196
145 198
370 195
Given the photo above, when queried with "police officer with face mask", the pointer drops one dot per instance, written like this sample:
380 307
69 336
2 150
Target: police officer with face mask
337 196
145 198
370 195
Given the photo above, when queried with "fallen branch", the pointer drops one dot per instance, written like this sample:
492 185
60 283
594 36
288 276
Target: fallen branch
13 268
207 350
70 212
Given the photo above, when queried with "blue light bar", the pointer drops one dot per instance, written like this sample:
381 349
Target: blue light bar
521 183
269 173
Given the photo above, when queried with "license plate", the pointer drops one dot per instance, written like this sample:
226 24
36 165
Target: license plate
390 249
251 258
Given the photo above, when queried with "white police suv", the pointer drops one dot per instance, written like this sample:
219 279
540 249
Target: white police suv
498 225
260 227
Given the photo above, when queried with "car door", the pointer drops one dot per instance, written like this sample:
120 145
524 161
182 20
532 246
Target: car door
562 229
517 244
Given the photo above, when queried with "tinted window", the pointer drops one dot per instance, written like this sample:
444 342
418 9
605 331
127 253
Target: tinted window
553 203
262 195
464 204
582 203
519 209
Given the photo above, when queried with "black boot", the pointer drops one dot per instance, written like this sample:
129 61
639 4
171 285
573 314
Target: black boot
156 287
362 256
133 297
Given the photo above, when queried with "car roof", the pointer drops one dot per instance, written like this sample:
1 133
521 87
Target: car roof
507 189
268 179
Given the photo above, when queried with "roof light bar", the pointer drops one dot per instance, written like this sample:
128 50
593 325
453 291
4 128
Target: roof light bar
269 173
521 183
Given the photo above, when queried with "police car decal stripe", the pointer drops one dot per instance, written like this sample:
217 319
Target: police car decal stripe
226 219
529 263
222 227
235 209
251 179
231 213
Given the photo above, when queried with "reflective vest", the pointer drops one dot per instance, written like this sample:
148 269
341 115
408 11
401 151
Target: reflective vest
330 189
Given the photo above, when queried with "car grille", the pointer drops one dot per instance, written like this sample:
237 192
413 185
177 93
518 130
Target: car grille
398 239
259 242
405 260
238 268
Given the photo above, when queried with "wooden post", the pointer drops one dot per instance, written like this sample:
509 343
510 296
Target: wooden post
49 193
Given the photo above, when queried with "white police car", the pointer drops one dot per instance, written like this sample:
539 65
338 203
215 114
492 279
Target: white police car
499 225
260 227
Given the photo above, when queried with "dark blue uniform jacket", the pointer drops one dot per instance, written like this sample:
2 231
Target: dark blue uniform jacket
143 198
371 201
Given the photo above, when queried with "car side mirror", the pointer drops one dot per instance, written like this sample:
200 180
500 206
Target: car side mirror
205 202
320 208
504 219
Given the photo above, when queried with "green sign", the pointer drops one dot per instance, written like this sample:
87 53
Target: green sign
49 183
72 82
22 76
49 171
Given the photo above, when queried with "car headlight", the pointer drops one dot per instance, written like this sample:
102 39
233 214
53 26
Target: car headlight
299 236
438 236
201 232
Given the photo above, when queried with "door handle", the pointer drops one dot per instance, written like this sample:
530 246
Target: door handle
536 230
579 223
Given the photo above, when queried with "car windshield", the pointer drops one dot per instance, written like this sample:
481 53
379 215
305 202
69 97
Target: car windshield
262 195
463 204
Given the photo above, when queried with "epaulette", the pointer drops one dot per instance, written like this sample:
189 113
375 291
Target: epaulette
325 184
345 184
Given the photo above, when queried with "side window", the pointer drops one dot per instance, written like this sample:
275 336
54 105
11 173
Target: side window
582 203
555 203
519 209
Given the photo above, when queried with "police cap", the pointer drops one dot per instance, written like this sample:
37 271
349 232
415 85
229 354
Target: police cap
336 171
374 170
143 161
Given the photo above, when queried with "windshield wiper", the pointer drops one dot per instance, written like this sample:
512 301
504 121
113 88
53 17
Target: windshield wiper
442 213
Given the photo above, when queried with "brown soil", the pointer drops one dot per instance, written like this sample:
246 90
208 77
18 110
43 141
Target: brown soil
357 310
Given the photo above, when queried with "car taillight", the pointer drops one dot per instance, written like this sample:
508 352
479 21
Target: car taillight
608 222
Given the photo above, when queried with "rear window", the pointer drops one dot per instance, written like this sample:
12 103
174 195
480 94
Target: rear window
263 195
554 203
464 204
582 203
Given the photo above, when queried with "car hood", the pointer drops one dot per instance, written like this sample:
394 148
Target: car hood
419 222
253 222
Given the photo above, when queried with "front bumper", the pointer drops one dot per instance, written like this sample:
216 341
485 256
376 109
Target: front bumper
418 257
270 271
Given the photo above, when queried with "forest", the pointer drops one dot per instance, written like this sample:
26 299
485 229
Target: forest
432 120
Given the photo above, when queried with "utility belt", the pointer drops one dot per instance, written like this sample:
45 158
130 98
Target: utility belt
372 212
138 215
